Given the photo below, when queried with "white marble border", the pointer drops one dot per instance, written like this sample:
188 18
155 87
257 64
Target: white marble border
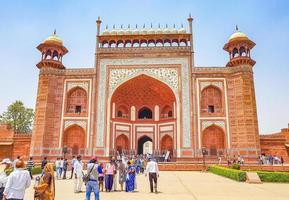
185 77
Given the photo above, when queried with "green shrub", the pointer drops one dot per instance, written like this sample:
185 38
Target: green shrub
280 177
236 166
234 174
36 170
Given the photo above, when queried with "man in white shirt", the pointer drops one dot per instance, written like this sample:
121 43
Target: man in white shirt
3 175
57 167
18 181
153 170
78 167
61 164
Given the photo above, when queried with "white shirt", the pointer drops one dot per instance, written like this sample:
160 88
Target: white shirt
57 163
152 167
3 178
16 184
78 168
73 161
61 163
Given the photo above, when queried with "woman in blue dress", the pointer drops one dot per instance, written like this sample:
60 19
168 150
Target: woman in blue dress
130 178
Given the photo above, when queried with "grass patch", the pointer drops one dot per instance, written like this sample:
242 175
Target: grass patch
277 177
237 175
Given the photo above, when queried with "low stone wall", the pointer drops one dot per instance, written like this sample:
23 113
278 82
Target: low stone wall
181 167
176 166
270 168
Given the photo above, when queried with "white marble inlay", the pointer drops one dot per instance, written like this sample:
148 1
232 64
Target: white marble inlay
83 85
206 124
166 128
167 75
145 129
80 123
217 84
122 128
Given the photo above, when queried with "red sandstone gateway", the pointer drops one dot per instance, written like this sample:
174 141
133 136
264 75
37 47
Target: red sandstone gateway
145 94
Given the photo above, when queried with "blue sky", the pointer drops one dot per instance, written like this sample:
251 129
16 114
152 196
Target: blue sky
24 24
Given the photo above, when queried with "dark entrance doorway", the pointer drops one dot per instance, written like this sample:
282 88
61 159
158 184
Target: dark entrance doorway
141 143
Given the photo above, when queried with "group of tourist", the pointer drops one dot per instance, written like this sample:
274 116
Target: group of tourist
117 174
270 160
14 179
16 176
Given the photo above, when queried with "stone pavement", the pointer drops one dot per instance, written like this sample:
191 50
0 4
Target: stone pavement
183 186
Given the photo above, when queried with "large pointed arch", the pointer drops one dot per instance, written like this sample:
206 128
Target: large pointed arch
154 93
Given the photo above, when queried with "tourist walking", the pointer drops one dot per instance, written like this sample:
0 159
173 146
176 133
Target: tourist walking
100 177
4 173
152 170
18 181
92 184
65 166
45 190
130 178
61 162
114 161
43 163
72 166
122 174
109 175
78 174
30 165
57 167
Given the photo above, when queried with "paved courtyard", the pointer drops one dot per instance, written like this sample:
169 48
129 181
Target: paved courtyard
183 186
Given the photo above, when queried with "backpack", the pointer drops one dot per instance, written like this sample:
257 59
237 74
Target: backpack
86 177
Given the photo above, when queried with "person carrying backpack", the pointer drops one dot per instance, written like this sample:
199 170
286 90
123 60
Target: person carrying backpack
92 182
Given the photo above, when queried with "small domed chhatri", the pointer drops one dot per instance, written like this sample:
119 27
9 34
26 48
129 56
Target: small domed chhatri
53 39
238 35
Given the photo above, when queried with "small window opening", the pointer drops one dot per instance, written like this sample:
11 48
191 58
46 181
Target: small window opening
211 109
77 109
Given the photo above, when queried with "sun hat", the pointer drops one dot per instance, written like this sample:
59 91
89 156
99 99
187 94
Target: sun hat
6 161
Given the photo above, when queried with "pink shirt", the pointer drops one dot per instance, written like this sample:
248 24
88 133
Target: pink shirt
110 168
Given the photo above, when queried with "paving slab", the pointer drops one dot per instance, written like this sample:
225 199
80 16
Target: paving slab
177 185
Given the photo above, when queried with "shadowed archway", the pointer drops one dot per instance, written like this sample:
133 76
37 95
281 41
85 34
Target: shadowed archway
141 142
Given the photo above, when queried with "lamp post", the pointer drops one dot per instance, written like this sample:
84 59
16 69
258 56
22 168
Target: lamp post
204 153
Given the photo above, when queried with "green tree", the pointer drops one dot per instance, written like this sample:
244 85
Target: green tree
18 117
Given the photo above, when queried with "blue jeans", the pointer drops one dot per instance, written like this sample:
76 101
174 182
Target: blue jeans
92 186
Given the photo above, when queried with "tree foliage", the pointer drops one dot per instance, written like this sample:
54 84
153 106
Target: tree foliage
18 117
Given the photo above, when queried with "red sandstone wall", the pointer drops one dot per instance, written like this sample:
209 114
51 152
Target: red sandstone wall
243 112
274 144
48 112
12 145
21 145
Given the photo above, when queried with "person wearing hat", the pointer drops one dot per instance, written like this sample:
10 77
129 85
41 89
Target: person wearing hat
18 181
92 184
4 172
